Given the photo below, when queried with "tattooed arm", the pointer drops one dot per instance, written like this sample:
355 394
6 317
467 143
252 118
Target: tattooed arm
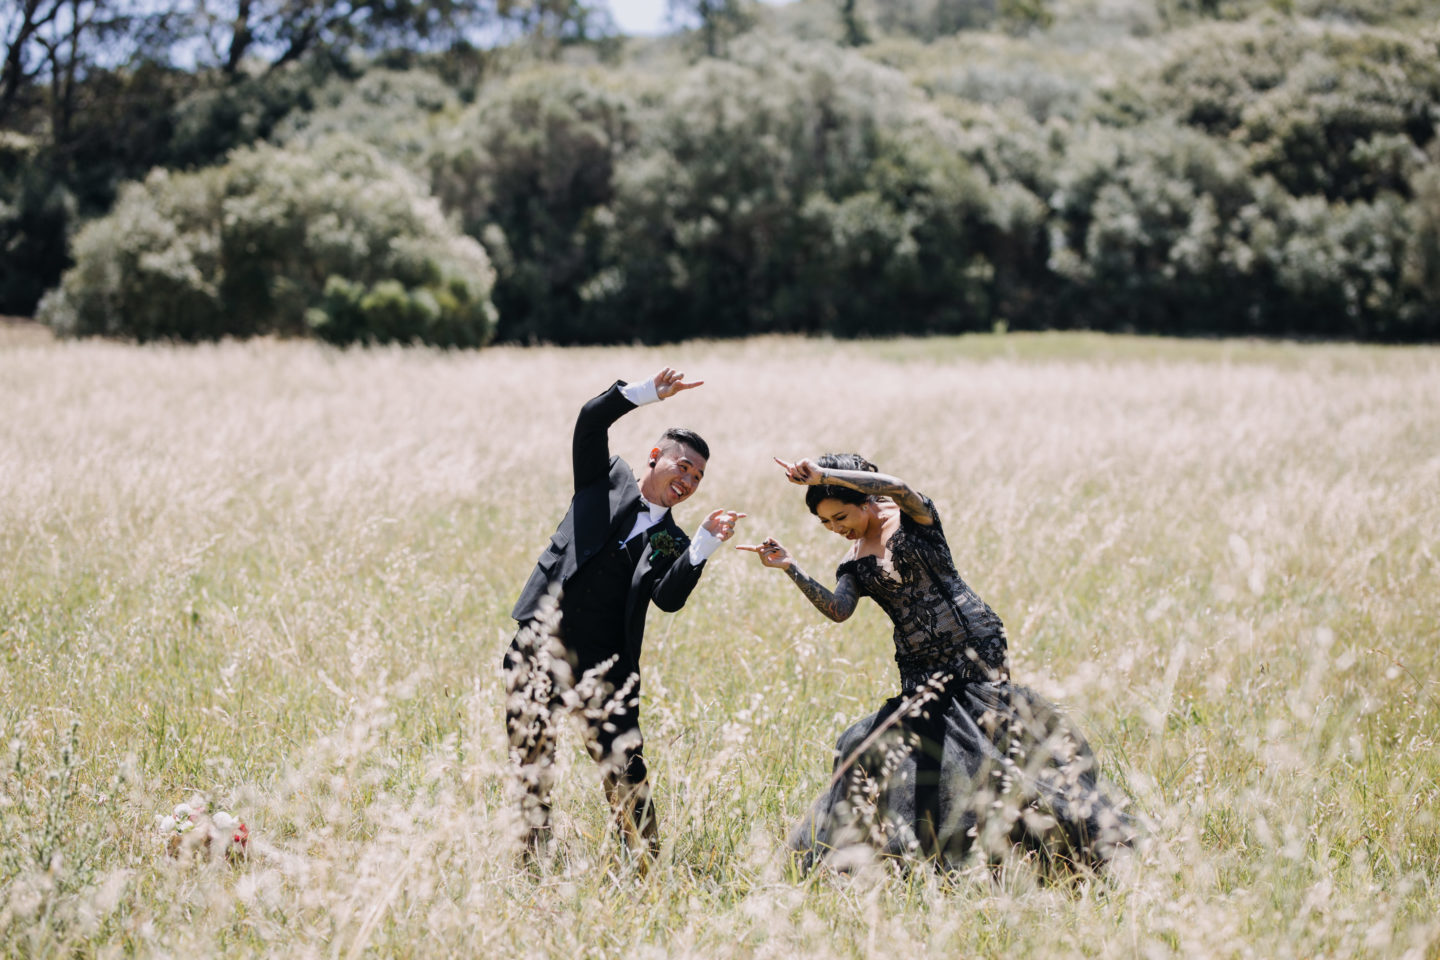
809 473
837 604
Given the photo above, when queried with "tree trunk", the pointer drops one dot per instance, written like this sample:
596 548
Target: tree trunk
240 38
298 44
709 28
65 103
12 77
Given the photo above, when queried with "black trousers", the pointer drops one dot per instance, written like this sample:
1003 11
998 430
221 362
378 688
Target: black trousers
549 680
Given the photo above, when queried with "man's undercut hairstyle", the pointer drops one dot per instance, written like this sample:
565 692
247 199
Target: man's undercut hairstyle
826 491
689 438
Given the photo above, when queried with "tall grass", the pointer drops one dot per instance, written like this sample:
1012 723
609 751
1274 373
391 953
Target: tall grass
278 576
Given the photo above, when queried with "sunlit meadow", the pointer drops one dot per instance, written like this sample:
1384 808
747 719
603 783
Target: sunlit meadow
277 576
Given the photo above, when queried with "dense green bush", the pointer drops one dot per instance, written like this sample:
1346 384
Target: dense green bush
334 241
791 188
796 188
63 165
1264 178
1215 166
221 114
1332 110
714 229
1158 228
36 212
401 113
1144 226
530 169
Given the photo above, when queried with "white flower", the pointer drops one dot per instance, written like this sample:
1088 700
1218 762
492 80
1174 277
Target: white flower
167 824
224 821
182 810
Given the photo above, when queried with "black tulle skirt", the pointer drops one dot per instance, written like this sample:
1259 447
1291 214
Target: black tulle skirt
964 772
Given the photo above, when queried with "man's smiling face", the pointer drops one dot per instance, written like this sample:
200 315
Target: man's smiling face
674 472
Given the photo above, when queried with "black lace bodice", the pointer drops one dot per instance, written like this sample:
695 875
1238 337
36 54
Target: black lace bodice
941 626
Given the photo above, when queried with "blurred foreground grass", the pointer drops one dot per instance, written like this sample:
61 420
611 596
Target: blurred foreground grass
278 575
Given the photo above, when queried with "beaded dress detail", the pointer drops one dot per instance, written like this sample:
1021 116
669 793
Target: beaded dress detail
941 625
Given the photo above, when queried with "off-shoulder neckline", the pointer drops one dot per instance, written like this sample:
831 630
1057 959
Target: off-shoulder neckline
890 540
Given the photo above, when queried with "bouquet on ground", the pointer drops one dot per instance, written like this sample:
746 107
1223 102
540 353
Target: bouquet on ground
193 830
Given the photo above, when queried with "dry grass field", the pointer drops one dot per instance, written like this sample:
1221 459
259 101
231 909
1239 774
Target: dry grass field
277 576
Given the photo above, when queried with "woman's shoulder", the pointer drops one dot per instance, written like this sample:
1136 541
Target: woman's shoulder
850 567
928 507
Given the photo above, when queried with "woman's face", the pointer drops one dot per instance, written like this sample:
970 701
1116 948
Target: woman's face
850 520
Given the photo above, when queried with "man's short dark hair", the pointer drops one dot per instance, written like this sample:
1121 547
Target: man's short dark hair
689 438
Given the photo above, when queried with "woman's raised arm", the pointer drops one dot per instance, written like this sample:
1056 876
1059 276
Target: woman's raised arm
809 473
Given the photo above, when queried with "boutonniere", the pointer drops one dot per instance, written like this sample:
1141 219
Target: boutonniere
662 544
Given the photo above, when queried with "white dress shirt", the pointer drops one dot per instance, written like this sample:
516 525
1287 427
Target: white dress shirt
704 543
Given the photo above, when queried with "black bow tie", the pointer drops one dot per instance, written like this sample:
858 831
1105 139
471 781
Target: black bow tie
629 516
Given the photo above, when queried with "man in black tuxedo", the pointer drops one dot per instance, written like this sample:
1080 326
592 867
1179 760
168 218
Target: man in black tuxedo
616 550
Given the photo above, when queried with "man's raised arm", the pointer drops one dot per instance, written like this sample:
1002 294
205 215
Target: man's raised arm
590 449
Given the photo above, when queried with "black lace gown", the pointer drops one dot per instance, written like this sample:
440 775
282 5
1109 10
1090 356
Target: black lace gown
962 762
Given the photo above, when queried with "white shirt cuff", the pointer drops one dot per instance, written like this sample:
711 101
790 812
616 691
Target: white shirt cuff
641 393
702 545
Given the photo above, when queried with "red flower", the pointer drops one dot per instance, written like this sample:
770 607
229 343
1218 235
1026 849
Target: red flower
242 835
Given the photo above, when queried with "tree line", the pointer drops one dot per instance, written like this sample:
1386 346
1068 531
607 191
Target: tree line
371 172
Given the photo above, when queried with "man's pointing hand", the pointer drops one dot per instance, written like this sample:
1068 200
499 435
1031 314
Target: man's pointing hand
670 381
721 523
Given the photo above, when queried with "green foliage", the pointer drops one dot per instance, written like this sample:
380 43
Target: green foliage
529 169
265 244
1021 16
787 189
46 852
1375 12
1336 111
1340 269
853 30
712 233
36 212
399 112
1163 228
1145 225
709 216
1280 197
930 20
1193 166
219 116
1421 270
1044 91
911 248
790 189
716 22
68 169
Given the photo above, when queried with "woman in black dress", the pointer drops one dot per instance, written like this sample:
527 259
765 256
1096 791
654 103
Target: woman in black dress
961 758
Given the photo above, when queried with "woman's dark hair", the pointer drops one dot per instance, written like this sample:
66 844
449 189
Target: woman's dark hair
828 491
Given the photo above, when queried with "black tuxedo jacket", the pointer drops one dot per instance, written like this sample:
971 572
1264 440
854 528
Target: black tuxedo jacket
605 493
